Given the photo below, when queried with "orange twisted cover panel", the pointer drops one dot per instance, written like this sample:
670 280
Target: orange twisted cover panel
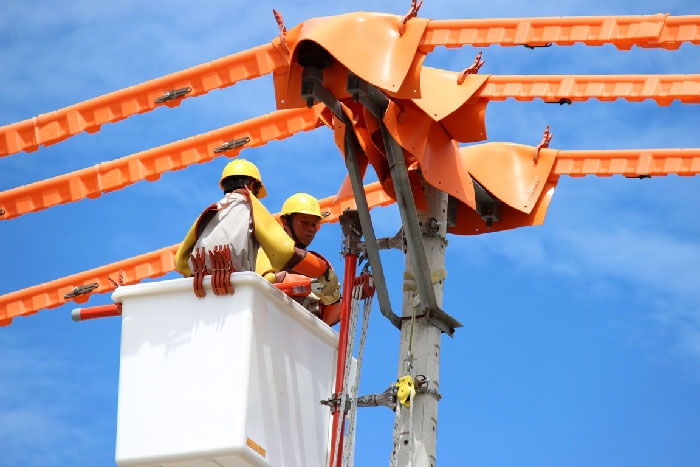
149 265
659 31
90 115
149 165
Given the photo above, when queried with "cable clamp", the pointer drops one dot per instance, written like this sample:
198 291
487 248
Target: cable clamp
83 289
233 144
174 94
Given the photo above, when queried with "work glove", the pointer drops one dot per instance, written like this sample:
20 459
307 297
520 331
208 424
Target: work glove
311 303
328 289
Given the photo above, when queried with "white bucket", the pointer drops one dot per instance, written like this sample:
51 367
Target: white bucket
232 380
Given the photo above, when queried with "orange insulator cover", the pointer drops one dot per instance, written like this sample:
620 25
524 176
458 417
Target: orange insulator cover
513 173
468 222
378 54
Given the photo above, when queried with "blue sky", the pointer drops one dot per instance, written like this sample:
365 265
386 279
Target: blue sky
581 337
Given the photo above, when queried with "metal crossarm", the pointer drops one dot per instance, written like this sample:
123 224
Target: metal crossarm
376 102
312 89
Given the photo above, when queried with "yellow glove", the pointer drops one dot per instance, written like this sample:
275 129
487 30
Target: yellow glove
329 290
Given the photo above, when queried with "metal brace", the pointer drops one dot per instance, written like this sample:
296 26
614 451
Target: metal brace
385 399
312 90
334 402
83 289
442 321
398 242
376 102
174 94
233 144
437 318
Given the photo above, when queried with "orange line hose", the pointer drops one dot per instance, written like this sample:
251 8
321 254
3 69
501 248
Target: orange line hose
113 175
90 115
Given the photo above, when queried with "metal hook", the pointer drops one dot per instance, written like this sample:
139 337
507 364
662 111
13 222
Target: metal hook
543 144
472 70
415 6
283 29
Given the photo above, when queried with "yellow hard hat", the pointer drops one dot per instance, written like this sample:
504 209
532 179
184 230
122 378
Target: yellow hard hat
301 203
245 168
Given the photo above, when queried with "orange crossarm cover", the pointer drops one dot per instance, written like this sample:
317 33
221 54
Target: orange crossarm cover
662 31
655 162
90 115
109 176
149 265
50 294
659 31
149 165
663 89
628 162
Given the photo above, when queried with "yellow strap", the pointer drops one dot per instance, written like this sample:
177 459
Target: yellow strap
263 266
275 242
184 250
409 281
271 236
406 390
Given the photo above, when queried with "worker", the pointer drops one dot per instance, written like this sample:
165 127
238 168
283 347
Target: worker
239 220
301 219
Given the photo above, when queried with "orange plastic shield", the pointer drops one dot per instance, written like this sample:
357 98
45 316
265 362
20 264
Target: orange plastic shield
454 105
516 174
468 221
437 154
368 44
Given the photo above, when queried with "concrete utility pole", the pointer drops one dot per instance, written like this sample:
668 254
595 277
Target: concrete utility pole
415 442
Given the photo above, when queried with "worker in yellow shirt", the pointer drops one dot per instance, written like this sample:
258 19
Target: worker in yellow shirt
301 218
241 222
